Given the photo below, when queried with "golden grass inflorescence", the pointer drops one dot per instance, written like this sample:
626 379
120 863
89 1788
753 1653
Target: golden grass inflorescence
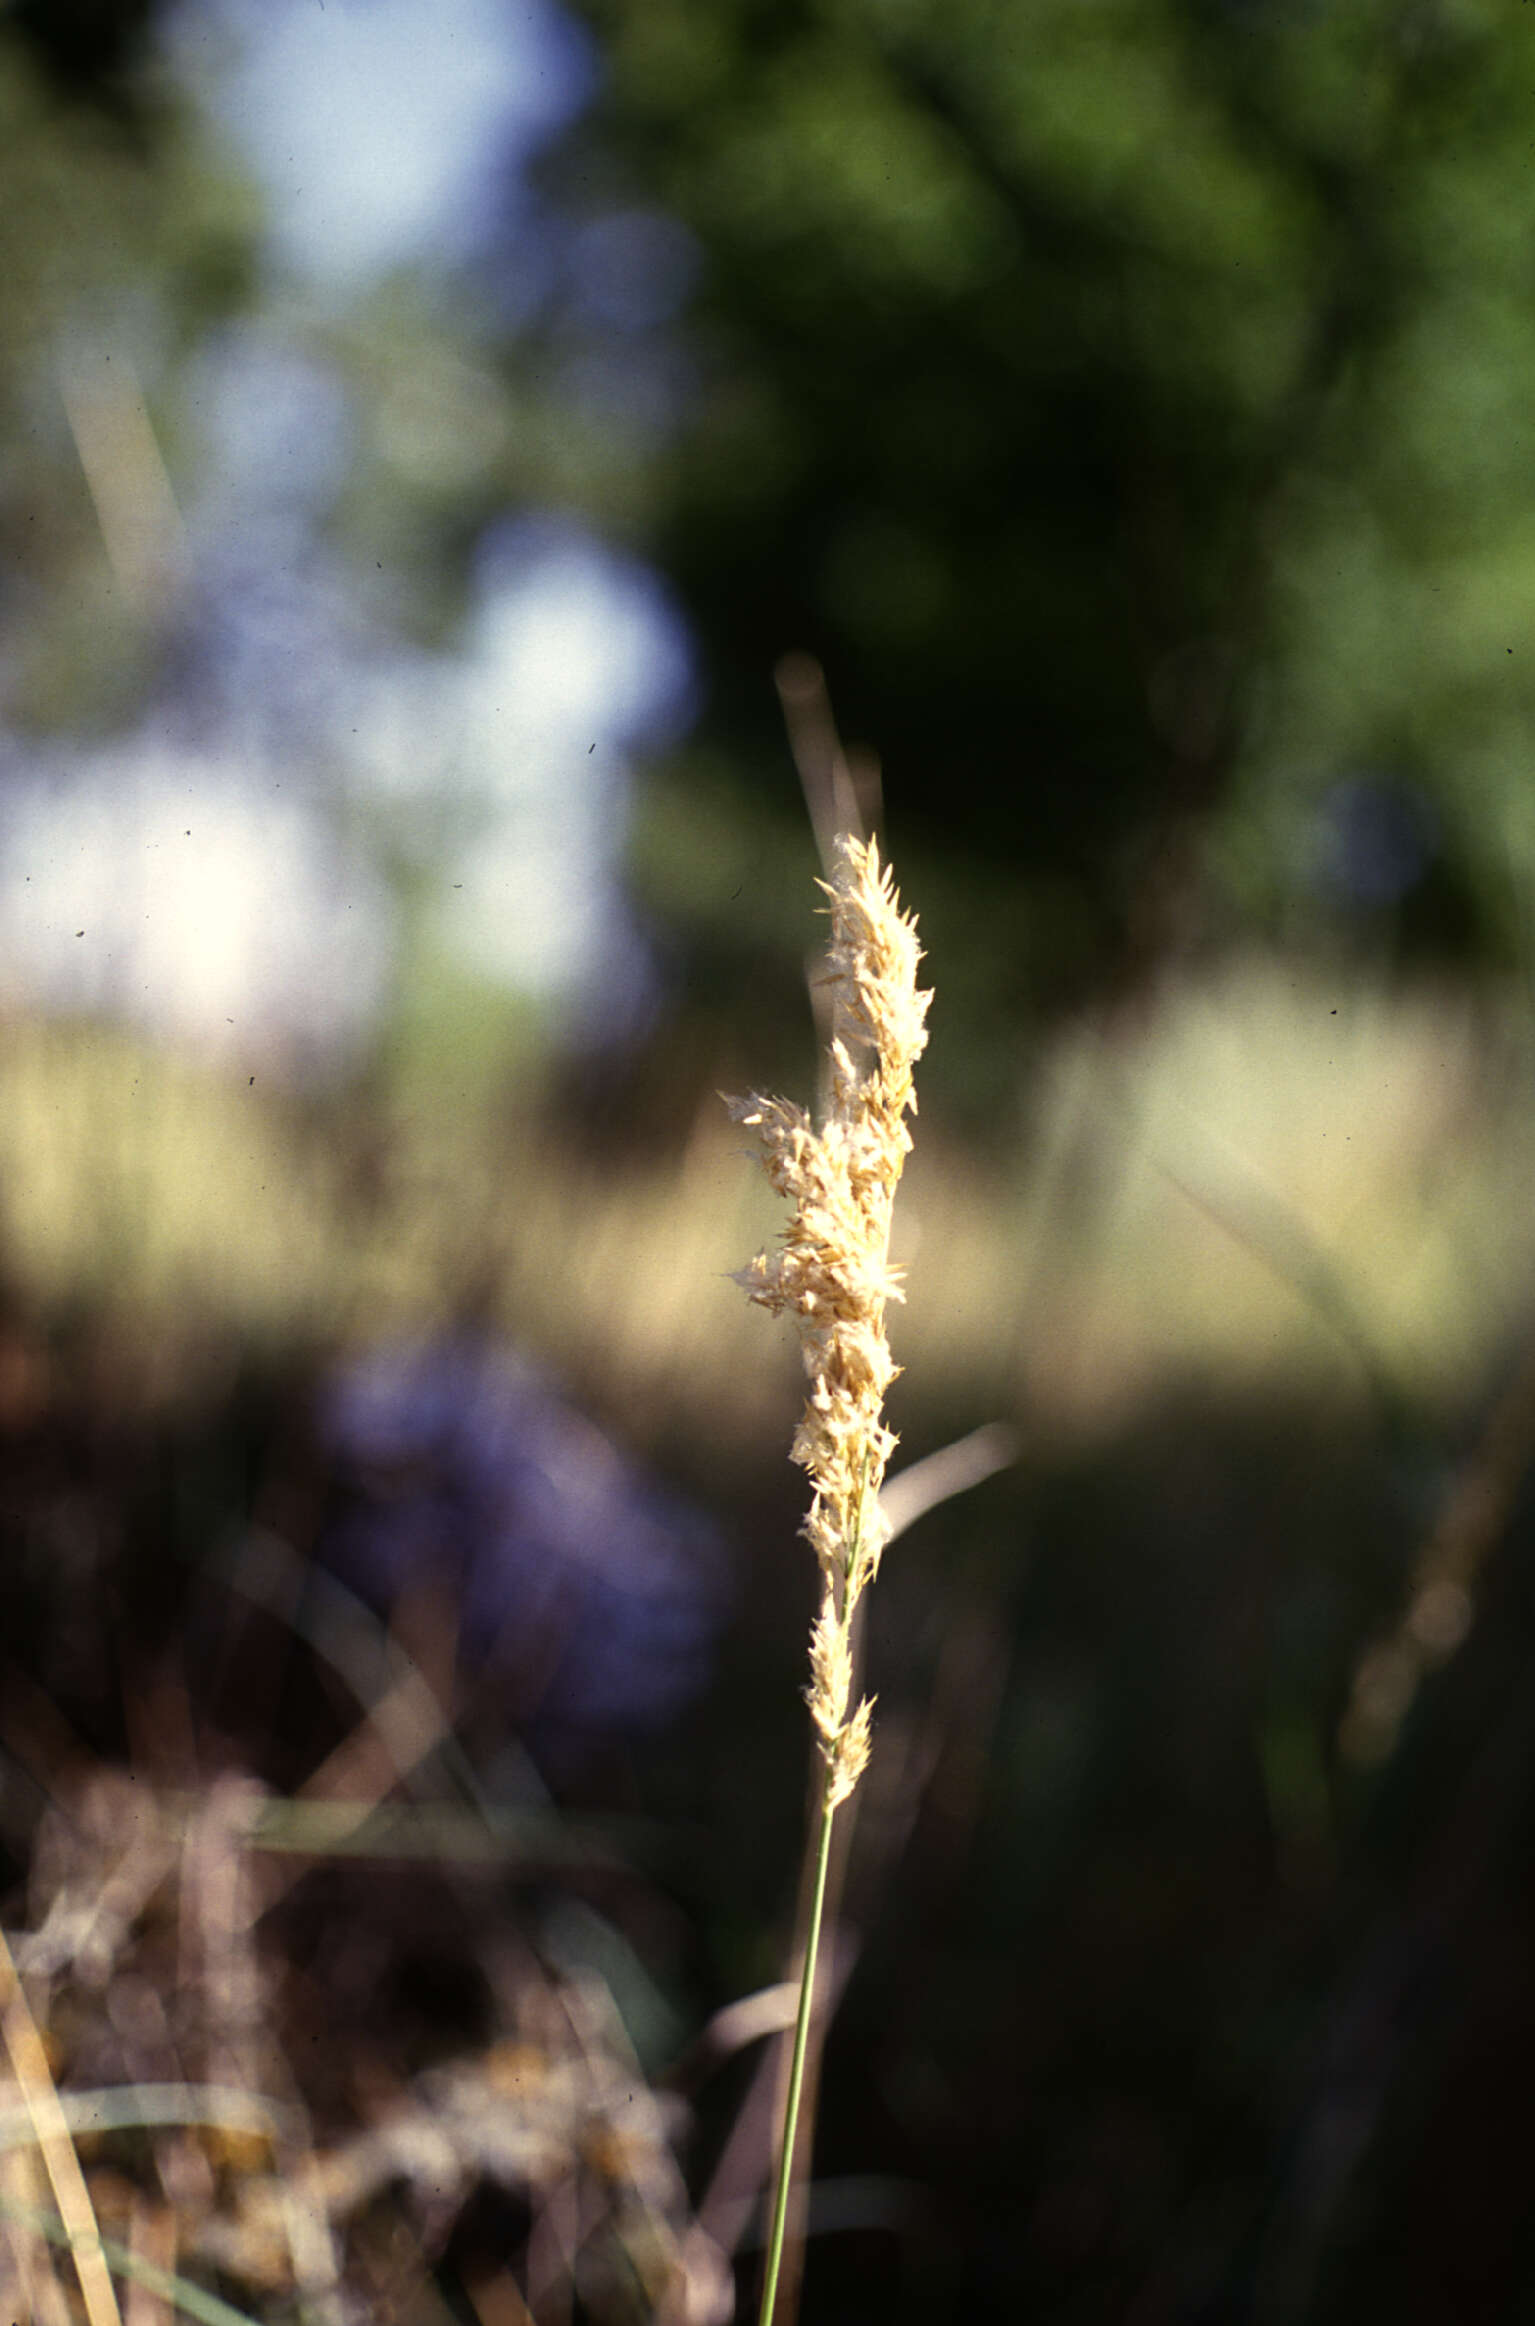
832 1271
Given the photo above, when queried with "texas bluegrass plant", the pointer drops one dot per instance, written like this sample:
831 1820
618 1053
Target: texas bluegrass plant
832 1274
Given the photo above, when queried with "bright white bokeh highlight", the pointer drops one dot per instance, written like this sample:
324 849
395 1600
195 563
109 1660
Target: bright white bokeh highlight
573 659
383 132
201 855
218 904
156 886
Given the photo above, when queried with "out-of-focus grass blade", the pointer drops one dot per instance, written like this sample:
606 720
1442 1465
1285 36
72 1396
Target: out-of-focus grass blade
129 2107
446 1831
192 2301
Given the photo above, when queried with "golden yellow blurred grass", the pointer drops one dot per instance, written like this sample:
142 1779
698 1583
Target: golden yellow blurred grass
1264 1176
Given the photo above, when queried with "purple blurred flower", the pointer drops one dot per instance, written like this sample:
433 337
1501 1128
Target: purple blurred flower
595 1595
1377 837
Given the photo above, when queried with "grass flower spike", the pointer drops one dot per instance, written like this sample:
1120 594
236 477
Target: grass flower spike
832 1274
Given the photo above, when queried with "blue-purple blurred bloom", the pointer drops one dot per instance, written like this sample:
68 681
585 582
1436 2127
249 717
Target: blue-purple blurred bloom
593 1594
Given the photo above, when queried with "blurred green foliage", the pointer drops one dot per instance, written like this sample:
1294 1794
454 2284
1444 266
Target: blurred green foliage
1126 405
115 217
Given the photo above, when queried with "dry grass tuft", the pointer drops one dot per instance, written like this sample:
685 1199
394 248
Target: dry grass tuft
191 2125
832 1273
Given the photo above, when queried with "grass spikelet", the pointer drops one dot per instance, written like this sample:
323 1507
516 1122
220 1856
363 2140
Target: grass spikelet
832 1275
832 1272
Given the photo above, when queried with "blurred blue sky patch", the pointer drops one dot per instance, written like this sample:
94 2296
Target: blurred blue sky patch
383 133
292 716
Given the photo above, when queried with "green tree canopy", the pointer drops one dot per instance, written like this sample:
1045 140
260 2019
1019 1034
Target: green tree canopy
1126 404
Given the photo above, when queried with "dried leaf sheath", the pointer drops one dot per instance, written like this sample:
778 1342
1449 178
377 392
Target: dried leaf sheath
832 1272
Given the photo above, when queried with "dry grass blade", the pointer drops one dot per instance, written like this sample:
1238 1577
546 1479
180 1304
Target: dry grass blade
190 2300
29 2065
952 1470
834 1277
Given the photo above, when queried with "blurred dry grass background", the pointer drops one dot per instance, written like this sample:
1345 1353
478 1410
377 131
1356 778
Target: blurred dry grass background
1245 1237
1265 1175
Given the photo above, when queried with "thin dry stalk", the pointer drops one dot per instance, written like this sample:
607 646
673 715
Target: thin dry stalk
833 1276
29 2066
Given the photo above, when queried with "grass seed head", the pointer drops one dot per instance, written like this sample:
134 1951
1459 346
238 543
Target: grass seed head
832 1270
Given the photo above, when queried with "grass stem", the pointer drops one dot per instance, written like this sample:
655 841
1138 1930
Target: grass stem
797 2064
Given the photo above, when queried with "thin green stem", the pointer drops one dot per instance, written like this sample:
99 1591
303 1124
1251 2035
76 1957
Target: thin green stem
797 2065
